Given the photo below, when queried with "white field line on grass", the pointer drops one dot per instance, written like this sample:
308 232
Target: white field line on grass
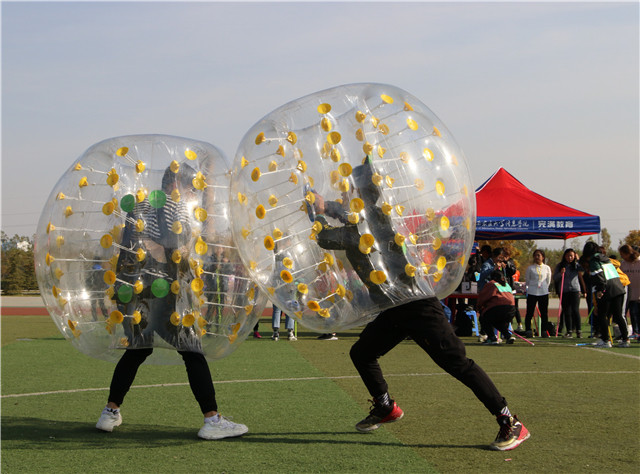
598 349
306 379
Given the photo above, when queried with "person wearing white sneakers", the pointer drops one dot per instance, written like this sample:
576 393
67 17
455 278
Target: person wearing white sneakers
215 425
155 304
289 324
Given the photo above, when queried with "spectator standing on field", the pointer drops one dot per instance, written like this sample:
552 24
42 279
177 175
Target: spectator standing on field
609 293
630 265
568 280
510 272
538 279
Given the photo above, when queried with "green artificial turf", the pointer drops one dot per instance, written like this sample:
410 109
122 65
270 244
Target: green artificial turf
301 400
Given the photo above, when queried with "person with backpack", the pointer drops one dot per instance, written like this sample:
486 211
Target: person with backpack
497 306
609 294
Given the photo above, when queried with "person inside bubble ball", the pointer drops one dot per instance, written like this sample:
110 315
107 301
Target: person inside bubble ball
347 237
422 320
165 236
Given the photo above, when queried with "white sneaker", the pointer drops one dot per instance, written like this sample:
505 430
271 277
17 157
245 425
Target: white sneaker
601 343
221 428
109 419
292 336
482 337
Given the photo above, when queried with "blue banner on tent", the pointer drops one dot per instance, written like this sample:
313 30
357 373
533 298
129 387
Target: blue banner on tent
536 227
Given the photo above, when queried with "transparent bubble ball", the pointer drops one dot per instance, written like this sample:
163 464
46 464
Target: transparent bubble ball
350 201
134 250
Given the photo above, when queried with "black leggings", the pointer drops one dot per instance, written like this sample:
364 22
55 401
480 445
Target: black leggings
197 372
425 322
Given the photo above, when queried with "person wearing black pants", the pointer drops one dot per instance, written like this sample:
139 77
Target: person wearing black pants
147 299
197 372
424 321
497 307
609 292
543 306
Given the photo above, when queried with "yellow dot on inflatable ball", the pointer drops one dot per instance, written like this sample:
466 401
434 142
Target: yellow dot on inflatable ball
269 244
197 285
116 317
108 208
109 277
444 223
410 270
356 205
334 138
201 246
188 320
200 214
378 277
345 169
324 108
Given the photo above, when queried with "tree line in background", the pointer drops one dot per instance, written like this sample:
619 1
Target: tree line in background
18 269
17 264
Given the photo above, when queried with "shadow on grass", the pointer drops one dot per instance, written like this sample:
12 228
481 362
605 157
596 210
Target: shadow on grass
342 438
36 433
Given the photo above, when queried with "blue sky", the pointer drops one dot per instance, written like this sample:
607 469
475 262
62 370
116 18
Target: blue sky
549 91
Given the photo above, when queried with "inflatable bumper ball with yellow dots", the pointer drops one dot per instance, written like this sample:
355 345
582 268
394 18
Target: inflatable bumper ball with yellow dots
134 250
349 201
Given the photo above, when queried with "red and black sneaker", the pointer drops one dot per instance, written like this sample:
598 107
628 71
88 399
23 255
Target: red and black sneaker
512 433
379 415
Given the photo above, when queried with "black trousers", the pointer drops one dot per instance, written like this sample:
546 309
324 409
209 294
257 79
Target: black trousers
425 322
571 311
498 318
197 372
543 305
611 307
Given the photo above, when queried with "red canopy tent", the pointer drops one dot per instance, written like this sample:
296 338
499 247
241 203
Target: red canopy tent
508 210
